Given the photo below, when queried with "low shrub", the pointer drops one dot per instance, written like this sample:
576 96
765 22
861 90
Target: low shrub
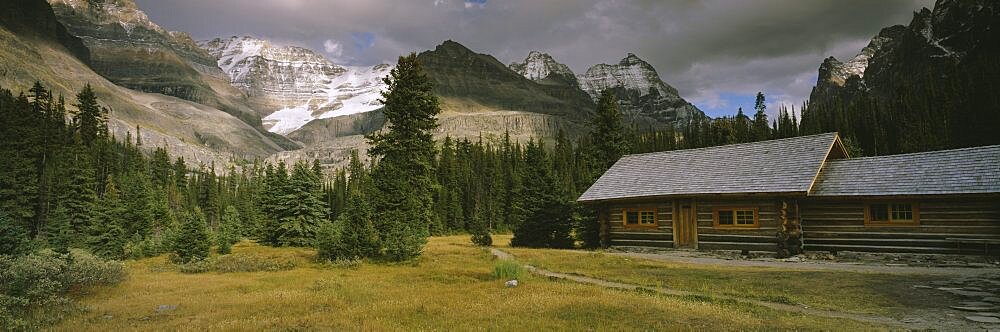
252 263
35 286
239 263
199 266
344 263
150 246
507 270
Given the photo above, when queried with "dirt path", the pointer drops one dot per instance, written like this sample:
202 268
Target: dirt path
821 266
773 305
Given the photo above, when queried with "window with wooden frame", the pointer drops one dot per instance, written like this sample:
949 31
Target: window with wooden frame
639 218
892 214
735 217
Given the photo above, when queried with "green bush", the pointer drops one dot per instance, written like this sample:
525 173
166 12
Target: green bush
150 246
507 270
35 285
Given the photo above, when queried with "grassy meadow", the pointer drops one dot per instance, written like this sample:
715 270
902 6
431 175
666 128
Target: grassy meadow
864 293
451 287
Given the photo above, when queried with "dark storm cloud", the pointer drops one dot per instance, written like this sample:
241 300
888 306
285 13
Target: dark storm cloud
706 49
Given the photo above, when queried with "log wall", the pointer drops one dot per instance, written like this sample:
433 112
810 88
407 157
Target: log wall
753 239
661 236
839 225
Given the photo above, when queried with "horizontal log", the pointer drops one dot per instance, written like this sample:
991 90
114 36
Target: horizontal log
883 249
907 242
641 236
876 234
737 238
642 243
710 245
905 229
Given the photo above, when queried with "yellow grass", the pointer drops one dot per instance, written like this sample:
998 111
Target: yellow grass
449 288
832 290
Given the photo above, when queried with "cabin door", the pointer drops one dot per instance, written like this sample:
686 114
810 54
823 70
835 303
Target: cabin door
685 225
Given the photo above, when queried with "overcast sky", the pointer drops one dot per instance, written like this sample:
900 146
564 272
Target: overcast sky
717 53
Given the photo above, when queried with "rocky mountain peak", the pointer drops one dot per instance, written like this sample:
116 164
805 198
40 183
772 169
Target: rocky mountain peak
639 89
541 67
631 59
121 12
836 73
630 73
452 47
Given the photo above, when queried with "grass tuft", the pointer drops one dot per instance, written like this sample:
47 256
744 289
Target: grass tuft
507 270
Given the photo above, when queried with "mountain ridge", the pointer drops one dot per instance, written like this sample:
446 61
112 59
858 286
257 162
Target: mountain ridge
926 85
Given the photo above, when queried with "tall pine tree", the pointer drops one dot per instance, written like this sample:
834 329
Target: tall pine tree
404 158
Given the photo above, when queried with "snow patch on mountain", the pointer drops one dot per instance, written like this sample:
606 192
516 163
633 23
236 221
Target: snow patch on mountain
288 119
303 84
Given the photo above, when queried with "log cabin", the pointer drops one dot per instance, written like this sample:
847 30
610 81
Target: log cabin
802 193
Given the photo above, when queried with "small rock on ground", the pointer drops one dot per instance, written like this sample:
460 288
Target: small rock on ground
165 307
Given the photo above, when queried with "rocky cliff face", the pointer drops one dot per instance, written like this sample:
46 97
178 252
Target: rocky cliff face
35 18
938 73
834 75
293 85
640 91
132 51
542 68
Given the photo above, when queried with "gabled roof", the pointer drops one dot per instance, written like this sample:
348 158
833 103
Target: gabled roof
786 166
960 171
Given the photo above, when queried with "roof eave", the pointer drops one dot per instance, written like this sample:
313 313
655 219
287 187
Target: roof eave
697 195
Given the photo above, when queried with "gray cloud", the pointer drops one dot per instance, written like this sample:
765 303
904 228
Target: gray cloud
705 48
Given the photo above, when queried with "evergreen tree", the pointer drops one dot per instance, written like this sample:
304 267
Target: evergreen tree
479 229
300 207
608 131
137 198
353 235
548 220
761 129
91 118
191 243
59 233
79 196
404 156
513 186
229 230
107 237
13 236
741 127
275 181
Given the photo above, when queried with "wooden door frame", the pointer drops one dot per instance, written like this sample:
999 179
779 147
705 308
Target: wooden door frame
692 221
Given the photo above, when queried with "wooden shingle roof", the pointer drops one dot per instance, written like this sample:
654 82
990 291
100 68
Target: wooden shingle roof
960 171
787 166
